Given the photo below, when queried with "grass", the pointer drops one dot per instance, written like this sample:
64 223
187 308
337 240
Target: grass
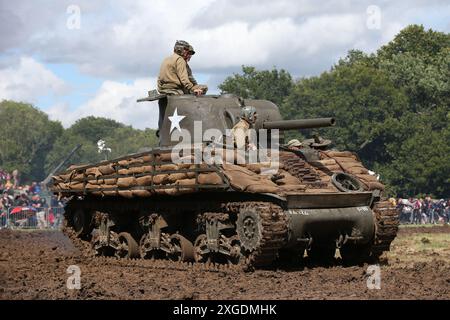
428 225
420 247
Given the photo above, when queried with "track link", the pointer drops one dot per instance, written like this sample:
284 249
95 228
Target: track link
387 221
274 231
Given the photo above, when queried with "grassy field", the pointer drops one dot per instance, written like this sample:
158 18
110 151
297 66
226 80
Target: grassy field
420 247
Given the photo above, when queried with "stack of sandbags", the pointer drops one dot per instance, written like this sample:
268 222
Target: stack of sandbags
242 179
349 163
132 176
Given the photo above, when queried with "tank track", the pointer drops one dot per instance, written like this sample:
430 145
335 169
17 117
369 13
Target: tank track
89 254
274 231
386 222
274 235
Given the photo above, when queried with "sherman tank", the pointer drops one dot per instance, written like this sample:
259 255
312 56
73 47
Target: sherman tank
196 198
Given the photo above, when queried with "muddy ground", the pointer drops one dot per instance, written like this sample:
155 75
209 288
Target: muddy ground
33 265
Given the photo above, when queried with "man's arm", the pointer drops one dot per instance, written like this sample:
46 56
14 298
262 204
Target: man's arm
183 75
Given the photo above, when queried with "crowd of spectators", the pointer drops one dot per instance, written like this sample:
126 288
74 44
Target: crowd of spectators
26 205
423 210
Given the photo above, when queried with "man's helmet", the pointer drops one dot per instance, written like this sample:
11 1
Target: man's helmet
181 45
248 113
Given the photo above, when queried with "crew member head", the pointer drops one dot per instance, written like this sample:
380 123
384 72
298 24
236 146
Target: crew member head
184 49
249 114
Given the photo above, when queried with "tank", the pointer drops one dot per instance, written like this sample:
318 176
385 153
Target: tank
187 201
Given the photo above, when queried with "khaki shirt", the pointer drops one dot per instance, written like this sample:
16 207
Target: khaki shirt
175 76
240 133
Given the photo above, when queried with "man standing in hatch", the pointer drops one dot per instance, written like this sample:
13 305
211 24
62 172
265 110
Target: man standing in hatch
175 76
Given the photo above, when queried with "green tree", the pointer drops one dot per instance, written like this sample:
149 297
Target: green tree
391 107
270 85
94 128
361 99
27 136
120 138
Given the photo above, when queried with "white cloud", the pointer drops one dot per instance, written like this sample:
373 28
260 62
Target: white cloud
129 39
27 80
114 100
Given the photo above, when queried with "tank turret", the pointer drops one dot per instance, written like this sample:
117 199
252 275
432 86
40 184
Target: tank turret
221 112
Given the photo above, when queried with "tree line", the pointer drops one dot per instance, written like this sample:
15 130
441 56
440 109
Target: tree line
33 144
391 108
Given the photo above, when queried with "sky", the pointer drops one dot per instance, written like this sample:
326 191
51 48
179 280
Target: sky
78 58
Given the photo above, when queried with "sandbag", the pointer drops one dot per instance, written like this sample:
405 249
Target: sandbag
167 167
77 176
76 186
91 186
107 186
357 170
334 168
136 170
240 177
190 174
107 169
96 181
328 162
262 188
111 181
93 172
161 179
376 186
126 182
144 181
123 163
57 179
126 193
147 158
141 193
135 161
209 178
147 169
287 179
167 156
160 191
263 167
109 193
184 182
348 165
173 177
123 171
344 154
62 177
63 186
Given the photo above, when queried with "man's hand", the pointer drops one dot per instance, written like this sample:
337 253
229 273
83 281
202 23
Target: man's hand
198 92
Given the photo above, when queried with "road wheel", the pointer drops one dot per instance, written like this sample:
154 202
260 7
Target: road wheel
80 222
181 248
128 247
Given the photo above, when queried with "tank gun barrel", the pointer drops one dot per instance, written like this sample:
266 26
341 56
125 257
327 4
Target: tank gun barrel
299 124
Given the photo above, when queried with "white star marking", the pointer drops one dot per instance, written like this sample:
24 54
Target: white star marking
175 120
